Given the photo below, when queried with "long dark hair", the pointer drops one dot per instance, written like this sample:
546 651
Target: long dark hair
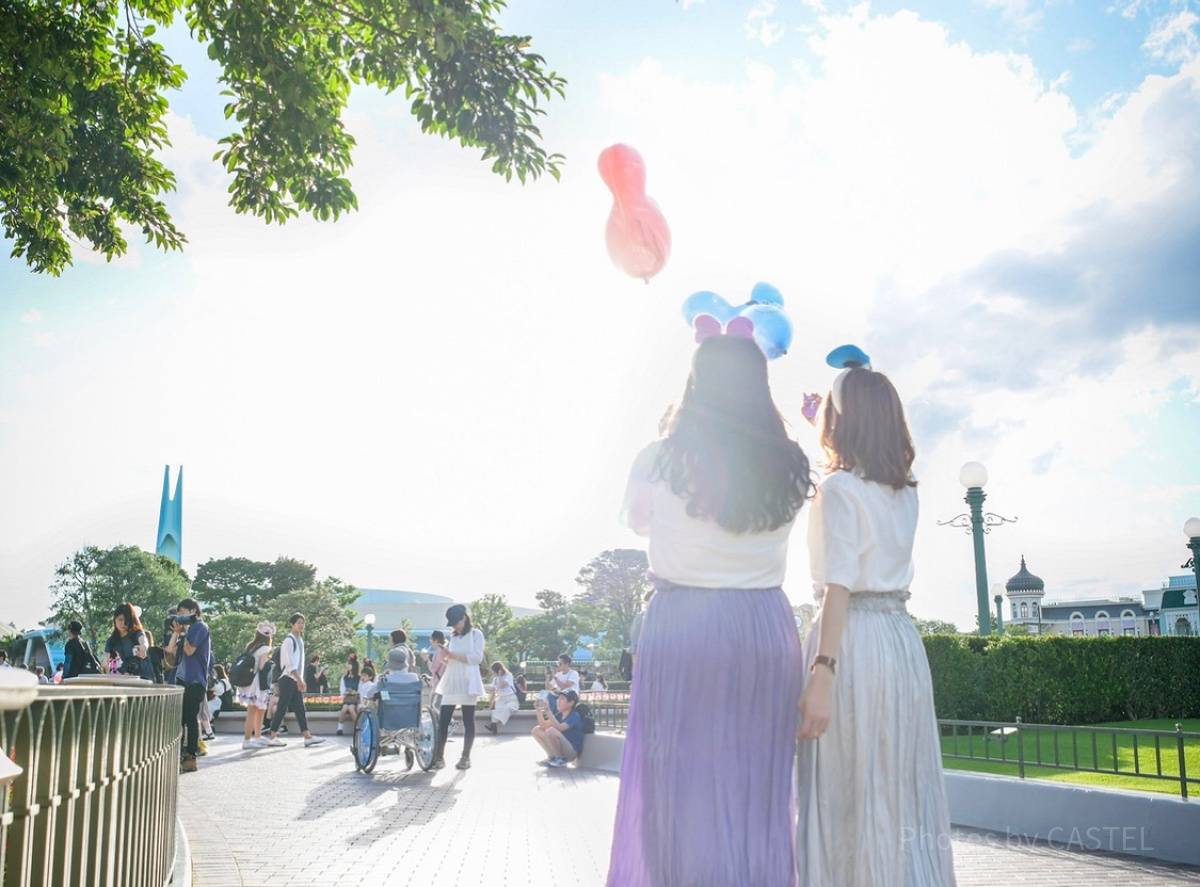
869 435
727 451
260 640
466 629
132 624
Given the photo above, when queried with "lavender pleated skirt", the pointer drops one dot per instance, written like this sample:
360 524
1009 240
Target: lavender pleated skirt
707 797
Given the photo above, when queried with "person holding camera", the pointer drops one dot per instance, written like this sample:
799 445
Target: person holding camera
560 730
189 647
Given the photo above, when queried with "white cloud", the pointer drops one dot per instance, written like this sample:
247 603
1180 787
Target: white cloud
31 316
1080 44
1173 38
1016 11
759 25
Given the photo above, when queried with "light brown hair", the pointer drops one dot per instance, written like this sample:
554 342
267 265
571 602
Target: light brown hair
869 435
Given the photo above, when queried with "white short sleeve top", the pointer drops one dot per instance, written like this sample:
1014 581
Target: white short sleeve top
860 534
694 552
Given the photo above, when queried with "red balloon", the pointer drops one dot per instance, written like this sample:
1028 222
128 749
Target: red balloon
638 239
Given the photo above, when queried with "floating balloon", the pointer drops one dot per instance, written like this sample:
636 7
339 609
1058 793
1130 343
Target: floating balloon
705 302
765 294
772 328
847 355
637 236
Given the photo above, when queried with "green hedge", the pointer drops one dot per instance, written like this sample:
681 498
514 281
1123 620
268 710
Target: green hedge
1063 680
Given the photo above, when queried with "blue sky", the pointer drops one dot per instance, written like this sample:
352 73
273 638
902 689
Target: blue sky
443 391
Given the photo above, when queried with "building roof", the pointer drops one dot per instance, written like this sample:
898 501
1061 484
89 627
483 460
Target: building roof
1178 599
1024 581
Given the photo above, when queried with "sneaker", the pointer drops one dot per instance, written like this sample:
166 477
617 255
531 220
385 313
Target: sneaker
463 764
261 742
188 764
283 729
437 765
544 762
339 730
492 727
209 736
313 740
556 762
203 747
250 745
276 743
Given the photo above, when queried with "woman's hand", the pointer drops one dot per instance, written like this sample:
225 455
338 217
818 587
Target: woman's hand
814 704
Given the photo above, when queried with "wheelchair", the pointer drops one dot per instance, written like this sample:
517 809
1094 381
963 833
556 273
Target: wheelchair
395 720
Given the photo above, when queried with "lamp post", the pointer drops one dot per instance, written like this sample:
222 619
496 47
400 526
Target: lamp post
998 600
1191 529
973 476
369 622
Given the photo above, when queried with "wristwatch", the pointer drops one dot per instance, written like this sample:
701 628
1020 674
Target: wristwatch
825 660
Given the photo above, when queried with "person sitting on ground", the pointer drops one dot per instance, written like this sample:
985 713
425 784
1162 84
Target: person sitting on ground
561 735
502 693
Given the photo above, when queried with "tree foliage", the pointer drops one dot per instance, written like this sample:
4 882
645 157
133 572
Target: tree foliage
554 631
490 614
614 585
89 584
934 626
232 584
327 628
84 96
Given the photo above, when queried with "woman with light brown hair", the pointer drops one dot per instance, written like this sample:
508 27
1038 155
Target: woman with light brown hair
872 807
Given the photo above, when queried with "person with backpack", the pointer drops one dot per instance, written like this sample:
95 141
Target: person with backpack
561 735
78 656
250 674
291 685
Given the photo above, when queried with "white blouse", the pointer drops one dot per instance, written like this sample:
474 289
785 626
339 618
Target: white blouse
860 534
698 553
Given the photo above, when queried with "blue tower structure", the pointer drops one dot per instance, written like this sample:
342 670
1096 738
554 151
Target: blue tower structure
170 519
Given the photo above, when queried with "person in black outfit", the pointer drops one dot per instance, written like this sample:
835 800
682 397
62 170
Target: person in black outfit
76 651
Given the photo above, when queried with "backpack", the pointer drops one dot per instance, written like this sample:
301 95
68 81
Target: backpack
585 714
241 673
91 665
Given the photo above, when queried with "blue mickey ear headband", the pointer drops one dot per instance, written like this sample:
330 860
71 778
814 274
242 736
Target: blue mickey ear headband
845 358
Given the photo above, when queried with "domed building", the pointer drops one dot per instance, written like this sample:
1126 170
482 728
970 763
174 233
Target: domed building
1025 592
1083 617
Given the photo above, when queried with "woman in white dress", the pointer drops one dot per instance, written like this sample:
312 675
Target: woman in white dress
461 683
503 695
255 696
872 802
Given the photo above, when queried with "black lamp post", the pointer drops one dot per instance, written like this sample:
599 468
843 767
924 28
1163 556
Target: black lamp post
1191 529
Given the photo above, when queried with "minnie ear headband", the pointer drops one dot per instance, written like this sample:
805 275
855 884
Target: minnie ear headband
265 628
845 358
708 326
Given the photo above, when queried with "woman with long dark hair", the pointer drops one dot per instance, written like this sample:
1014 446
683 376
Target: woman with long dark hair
461 684
872 804
706 781
129 644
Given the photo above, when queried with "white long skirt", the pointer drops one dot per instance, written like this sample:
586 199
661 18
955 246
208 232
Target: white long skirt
872 801
505 706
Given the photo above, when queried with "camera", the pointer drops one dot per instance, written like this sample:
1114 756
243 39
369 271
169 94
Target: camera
171 621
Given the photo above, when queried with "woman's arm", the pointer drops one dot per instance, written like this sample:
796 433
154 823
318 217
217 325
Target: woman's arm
815 700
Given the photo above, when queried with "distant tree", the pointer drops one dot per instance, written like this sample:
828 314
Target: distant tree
90 584
343 592
1016 631
935 626
230 632
554 631
232 584
288 574
614 585
490 614
328 630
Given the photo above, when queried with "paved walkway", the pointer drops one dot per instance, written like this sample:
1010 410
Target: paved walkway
304 816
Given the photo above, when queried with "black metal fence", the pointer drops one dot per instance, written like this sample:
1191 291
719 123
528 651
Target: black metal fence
95 803
1134 753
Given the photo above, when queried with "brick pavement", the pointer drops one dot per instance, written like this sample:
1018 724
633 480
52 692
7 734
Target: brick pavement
298 817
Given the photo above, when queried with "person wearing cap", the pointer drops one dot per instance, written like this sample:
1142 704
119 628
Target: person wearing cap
461 684
559 729
256 695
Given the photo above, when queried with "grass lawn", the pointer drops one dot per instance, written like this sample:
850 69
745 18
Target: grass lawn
1068 748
